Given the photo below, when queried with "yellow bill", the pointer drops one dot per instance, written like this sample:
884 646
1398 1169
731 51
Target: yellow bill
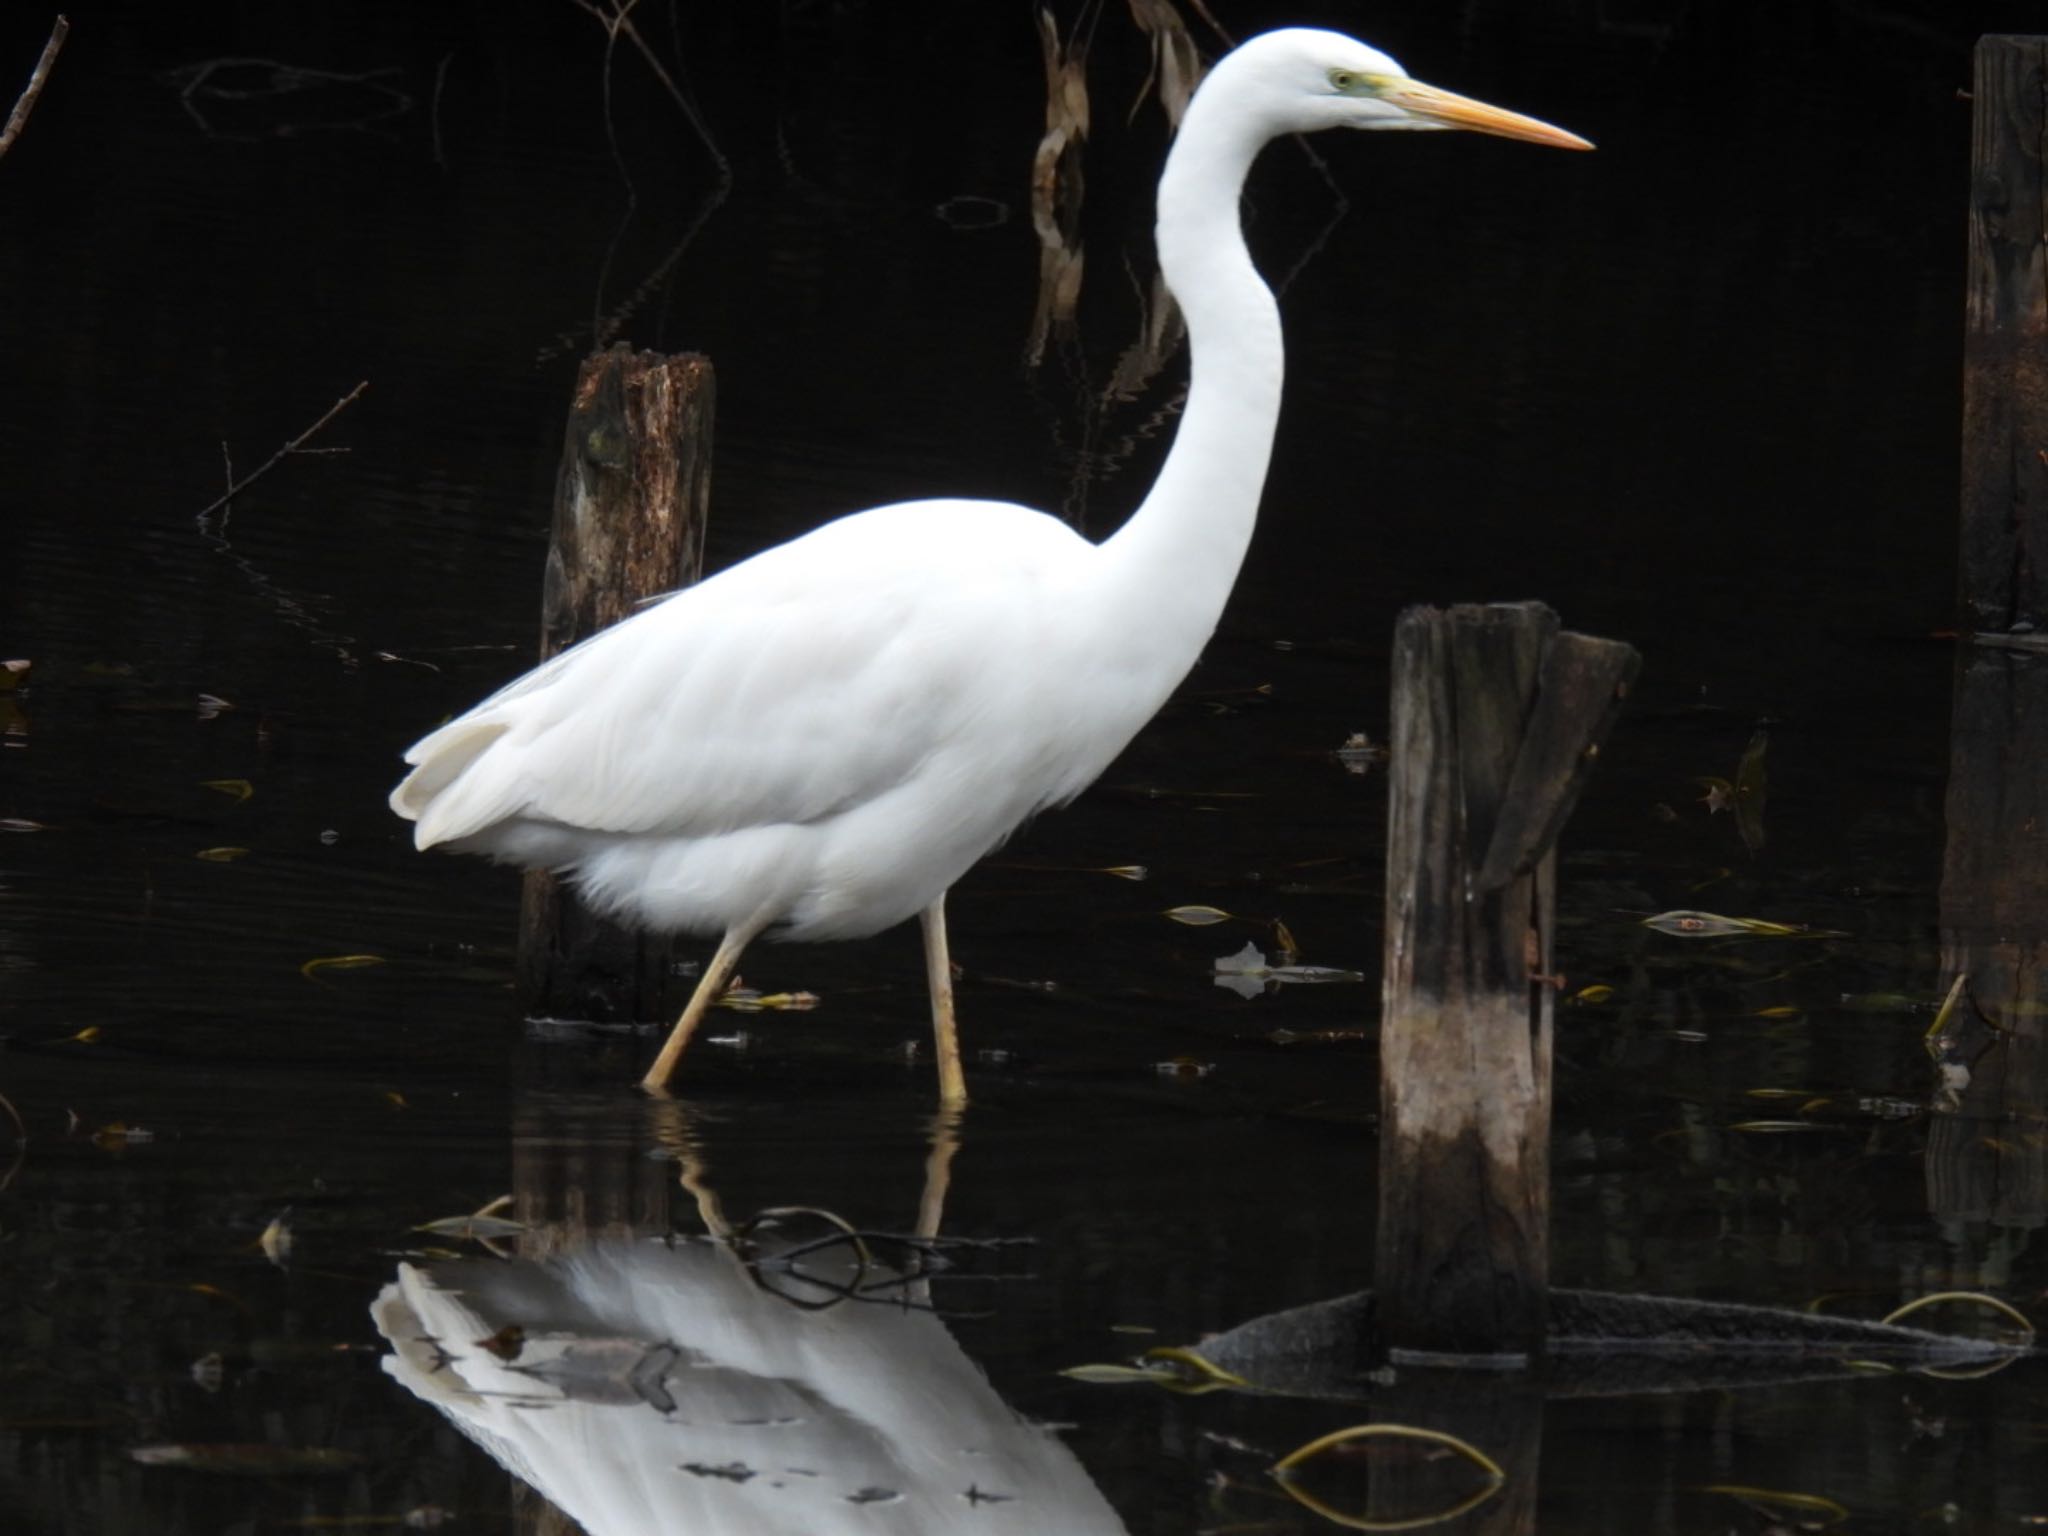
1455 111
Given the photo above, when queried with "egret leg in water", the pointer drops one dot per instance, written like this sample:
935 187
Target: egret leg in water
818 742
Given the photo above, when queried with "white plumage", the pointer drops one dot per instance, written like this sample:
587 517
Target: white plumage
821 740
657 1387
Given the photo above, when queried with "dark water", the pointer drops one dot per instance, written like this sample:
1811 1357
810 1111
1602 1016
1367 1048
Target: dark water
1697 391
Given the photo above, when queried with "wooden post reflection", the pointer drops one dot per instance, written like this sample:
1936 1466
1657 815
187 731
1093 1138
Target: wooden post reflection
1987 1147
1985 1154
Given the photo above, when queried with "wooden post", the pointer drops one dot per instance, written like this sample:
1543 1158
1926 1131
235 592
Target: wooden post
629 517
2004 566
1985 1154
1498 718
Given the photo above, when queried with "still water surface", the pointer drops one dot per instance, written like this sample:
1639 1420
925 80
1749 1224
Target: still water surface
1696 391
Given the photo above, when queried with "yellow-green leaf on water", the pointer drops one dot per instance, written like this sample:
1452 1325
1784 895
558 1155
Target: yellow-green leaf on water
1112 1375
312 969
1779 1127
473 1228
1809 1503
1599 992
234 1459
1198 916
276 1241
1973 1298
236 789
222 855
1780 1011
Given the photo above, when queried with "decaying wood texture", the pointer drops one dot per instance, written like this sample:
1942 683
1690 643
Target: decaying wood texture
2004 566
1497 718
630 503
1985 1155
1987 1142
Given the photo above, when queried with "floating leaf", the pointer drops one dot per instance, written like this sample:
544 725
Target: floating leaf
1772 1498
1599 992
1974 1298
1711 925
1358 752
248 1460
476 1227
1780 1011
222 855
312 969
1779 1127
235 789
395 1099
276 1241
1249 961
747 1000
85 1036
1114 1375
1197 916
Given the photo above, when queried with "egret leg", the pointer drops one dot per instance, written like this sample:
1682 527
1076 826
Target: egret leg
938 970
709 988
938 1171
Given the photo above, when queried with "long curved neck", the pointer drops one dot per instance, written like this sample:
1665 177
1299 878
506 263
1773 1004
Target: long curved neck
1186 540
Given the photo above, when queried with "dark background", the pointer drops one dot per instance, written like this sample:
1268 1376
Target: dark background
1699 391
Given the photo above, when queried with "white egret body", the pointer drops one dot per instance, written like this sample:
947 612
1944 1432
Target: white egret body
821 740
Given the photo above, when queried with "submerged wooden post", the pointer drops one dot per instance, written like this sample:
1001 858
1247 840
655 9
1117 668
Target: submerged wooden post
1986 1159
630 502
2004 566
1498 718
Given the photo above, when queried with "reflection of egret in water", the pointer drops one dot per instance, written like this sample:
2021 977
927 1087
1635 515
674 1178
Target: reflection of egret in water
659 1384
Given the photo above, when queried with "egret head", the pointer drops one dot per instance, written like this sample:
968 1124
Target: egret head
1306 80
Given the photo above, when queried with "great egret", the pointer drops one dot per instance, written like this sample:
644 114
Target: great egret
819 741
658 1385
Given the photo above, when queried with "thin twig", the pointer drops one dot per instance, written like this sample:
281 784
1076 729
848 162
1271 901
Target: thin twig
440 80
620 21
286 451
26 104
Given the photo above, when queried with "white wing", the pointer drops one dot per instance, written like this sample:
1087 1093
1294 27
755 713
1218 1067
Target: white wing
786 689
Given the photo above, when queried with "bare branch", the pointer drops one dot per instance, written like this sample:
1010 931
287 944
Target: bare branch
620 21
26 104
239 486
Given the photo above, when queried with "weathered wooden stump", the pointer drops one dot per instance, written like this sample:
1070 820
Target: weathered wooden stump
1498 718
630 503
1985 1155
2004 566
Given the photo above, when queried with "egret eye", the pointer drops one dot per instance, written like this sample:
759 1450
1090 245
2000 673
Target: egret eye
1343 80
